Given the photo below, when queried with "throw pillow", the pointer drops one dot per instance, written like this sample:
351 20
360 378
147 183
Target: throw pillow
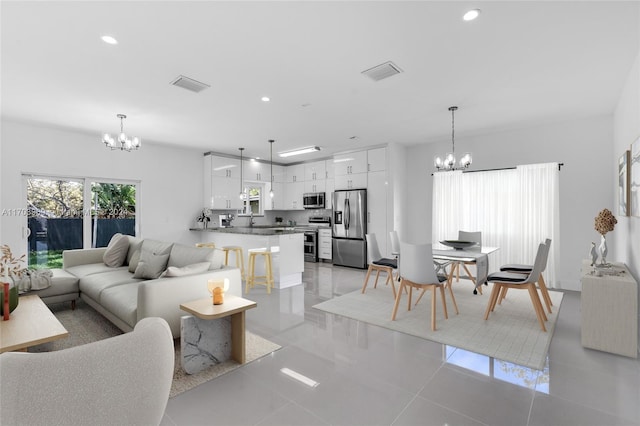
196 268
133 262
150 265
116 251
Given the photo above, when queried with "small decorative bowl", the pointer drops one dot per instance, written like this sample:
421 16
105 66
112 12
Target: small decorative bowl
457 244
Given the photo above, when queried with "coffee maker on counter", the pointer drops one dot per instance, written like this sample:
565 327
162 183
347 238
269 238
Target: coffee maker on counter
225 220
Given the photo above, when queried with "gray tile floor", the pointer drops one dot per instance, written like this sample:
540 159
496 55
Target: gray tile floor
373 376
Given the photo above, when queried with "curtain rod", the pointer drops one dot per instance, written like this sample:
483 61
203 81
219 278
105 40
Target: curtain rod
503 168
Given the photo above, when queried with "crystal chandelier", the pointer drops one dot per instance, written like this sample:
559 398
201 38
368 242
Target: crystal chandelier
449 161
123 142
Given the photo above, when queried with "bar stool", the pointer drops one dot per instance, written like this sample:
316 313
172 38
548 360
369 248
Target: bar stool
239 257
206 245
252 278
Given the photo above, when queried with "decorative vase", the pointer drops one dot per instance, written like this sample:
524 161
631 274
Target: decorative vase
603 250
13 297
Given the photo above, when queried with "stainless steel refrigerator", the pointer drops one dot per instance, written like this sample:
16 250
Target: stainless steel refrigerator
350 228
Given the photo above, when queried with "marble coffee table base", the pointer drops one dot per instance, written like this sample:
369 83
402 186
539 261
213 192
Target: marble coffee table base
204 343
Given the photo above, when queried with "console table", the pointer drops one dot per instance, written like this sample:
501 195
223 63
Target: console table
609 309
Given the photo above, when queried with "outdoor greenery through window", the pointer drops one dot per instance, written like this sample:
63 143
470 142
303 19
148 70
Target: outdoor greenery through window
75 213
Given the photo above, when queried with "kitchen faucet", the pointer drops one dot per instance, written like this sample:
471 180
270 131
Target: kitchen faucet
251 222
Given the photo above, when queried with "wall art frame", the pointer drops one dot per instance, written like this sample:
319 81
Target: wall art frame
634 184
624 184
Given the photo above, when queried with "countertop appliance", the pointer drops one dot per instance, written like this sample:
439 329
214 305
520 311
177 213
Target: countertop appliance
225 220
313 200
349 228
311 236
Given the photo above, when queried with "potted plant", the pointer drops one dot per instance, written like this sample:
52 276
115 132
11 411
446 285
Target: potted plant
204 219
10 269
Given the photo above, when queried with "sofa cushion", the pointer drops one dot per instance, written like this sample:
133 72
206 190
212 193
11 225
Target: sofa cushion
151 265
122 301
93 285
116 252
156 247
182 255
133 262
62 282
87 269
134 245
196 268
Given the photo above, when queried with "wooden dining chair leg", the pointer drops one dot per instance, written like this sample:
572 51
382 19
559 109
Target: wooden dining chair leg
366 279
494 295
444 302
397 302
545 293
409 301
537 305
455 304
424 290
433 308
390 279
503 295
375 283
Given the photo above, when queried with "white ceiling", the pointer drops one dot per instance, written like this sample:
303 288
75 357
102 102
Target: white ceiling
518 65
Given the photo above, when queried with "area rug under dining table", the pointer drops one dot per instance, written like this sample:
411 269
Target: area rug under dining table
86 325
511 333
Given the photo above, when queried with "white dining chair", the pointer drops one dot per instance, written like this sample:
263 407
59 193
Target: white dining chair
395 249
476 237
378 264
418 272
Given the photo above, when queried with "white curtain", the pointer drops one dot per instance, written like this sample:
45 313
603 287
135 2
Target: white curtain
515 209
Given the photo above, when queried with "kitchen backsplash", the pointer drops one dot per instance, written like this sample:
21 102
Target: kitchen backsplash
269 218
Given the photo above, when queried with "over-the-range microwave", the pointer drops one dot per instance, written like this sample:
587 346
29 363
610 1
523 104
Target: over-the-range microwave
313 200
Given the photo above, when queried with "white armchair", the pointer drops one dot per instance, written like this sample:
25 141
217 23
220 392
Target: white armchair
122 380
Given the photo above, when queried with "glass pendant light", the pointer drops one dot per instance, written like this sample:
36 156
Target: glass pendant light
241 195
271 141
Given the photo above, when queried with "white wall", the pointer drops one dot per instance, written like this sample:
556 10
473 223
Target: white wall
584 146
626 130
171 182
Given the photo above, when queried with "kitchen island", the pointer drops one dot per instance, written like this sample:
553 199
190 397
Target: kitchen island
286 245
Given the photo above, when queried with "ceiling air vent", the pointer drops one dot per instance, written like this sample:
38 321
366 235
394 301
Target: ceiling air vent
382 71
189 84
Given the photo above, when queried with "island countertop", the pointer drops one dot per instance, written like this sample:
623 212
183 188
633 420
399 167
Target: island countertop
255 230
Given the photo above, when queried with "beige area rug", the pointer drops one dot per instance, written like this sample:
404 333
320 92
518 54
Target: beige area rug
86 325
511 333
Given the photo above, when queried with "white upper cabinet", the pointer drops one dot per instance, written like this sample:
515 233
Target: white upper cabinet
351 163
315 171
295 173
225 167
315 186
256 171
377 159
329 169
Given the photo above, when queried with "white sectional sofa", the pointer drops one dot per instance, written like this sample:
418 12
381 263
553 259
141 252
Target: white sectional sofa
125 297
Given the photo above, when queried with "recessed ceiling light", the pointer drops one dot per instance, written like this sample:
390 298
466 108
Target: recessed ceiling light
265 99
109 40
471 15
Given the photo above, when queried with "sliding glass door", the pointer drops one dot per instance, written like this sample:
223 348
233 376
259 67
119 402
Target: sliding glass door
74 213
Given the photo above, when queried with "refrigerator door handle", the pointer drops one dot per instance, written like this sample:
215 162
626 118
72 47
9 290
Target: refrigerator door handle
347 217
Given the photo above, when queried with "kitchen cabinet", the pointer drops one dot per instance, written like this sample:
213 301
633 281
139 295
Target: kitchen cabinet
329 187
377 159
353 181
277 202
377 209
315 186
279 173
609 310
314 171
225 167
256 171
295 173
293 195
329 168
324 244
221 183
351 163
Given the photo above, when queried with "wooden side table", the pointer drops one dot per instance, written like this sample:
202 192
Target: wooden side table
214 334
609 309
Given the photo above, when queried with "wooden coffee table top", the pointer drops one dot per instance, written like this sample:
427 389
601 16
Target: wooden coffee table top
31 323
205 309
